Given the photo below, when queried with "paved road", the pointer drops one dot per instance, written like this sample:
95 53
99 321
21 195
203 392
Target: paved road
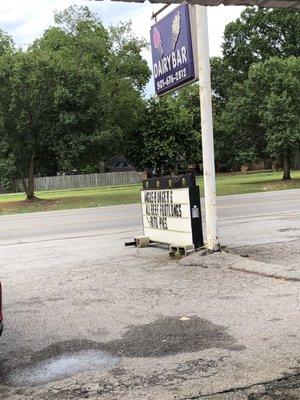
257 218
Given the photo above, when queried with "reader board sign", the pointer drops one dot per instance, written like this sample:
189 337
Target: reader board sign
171 211
173 45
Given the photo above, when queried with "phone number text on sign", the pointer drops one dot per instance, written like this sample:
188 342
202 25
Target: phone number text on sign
171 79
173 46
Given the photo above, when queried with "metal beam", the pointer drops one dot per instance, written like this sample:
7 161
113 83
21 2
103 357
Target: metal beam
291 4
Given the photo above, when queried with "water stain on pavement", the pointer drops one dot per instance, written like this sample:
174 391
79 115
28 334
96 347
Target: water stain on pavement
170 335
60 367
163 337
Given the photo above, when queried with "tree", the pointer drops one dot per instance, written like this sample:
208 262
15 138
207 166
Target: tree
115 55
276 83
34 84
69 99
269 101
254 37
6 43
240 138
7 167
164 136
258 35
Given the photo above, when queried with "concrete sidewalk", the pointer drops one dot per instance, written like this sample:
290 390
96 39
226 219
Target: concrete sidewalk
243 263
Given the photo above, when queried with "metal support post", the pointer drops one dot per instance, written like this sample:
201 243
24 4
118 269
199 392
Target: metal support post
207 129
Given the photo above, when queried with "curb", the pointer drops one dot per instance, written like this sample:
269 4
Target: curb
239 263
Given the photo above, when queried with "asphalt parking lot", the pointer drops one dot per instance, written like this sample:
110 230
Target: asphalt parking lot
162 330
86 317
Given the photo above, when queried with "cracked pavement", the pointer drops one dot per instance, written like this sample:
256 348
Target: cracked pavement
200 328
180 331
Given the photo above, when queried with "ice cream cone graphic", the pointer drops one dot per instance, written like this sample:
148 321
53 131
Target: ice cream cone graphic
176 27
157 42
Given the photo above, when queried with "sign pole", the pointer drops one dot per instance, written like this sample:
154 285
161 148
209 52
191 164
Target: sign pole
207 128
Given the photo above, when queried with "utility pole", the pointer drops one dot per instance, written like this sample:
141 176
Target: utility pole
209 174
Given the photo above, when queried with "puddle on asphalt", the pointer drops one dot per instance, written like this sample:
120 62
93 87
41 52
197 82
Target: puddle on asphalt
163 337
62 366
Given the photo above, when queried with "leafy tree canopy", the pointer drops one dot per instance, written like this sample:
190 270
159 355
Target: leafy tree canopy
70 99
164 136
256 36
276 84
6 43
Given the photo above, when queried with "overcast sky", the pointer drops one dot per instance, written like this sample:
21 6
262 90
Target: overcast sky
26 20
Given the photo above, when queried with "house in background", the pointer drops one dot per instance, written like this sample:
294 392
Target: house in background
120 164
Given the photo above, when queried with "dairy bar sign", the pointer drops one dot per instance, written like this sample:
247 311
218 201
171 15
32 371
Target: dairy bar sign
173 45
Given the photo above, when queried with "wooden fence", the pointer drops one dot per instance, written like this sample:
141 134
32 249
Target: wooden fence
83 181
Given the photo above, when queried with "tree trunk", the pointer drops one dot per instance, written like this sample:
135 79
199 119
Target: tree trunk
30 185
297 158
286 169
244 169
24 183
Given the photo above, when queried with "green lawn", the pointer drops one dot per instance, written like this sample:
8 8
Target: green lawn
227 184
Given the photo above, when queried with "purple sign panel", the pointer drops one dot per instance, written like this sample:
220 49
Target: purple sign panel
172 51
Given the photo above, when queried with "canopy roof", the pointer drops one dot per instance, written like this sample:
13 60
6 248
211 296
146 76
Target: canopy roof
259 3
